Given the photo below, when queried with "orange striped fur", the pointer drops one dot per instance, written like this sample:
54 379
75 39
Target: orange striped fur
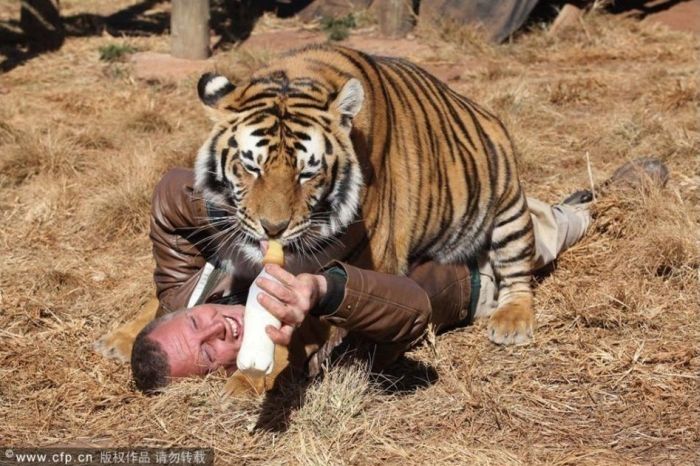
327 136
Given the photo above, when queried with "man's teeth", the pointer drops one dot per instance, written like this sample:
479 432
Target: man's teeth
233 324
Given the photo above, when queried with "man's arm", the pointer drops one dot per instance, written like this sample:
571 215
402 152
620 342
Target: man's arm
178 234
393 312
389 312
381 307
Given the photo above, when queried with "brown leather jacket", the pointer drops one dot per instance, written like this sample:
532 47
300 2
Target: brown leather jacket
382 314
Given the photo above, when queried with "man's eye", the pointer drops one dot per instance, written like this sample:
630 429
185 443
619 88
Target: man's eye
207 355
194 322
303 176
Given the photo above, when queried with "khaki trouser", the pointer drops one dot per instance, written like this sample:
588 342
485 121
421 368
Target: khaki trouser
557 228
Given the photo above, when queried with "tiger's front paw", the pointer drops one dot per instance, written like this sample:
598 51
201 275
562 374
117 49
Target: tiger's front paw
240 384
511 324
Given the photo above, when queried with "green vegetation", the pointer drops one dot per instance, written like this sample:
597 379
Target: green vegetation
338 28
115 52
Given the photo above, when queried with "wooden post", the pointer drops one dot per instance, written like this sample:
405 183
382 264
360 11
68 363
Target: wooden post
189 29
396 17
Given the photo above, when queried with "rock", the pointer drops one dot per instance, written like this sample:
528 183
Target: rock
280 41
568 17
162 66
682 16
498 19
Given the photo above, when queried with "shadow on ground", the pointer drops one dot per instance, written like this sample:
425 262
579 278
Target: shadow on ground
231 20
405 377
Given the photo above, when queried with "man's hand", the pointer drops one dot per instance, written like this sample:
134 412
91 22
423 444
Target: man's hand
290 300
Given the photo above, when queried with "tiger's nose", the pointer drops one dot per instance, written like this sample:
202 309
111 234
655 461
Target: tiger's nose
274 229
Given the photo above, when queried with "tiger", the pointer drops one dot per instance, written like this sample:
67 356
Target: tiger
328 136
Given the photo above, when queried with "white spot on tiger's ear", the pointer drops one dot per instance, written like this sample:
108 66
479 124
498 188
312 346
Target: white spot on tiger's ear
212 87
215 85
350 98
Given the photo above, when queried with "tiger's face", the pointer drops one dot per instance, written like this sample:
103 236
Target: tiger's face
279 162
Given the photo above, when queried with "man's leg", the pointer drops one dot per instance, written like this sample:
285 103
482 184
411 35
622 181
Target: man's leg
558 227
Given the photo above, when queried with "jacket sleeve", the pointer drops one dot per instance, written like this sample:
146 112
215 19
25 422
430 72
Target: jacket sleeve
393 312
381 307
178 222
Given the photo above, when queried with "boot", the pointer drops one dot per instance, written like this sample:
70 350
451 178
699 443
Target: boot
634 173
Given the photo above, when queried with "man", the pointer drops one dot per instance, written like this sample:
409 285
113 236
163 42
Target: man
199 327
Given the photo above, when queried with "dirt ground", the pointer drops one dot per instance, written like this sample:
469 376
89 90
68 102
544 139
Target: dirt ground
612 377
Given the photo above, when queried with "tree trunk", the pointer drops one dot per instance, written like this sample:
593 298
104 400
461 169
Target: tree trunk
189 29
396 17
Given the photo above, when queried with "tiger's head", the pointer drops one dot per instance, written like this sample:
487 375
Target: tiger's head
279 161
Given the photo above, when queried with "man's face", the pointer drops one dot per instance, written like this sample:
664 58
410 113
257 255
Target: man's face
201 339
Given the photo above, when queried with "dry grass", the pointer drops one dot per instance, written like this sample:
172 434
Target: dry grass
612 377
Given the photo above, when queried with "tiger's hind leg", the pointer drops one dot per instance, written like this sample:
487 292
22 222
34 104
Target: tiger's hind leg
117 344
512 249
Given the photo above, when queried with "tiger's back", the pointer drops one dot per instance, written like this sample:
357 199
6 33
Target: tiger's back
441 167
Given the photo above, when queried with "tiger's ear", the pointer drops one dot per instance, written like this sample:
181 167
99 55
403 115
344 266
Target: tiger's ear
212 89
349 100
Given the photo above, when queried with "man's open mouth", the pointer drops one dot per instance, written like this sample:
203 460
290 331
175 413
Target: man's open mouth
233 326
